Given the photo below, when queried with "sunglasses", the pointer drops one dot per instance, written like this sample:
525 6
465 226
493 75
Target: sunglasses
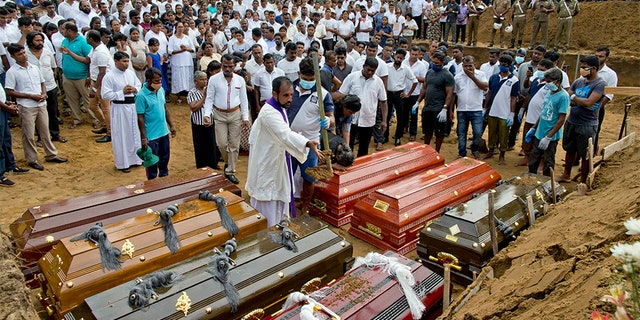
585 68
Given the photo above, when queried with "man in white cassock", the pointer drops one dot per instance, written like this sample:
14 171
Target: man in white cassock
269 177
120 86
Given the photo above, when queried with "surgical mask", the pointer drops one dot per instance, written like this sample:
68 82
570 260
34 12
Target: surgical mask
504 69
436 68
238 67
519 60
551 86
584 72
539 75
307 85
156 86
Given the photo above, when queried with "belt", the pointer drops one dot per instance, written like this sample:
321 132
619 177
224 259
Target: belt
394 92
473 15
567 18
519 15
127 100
228 110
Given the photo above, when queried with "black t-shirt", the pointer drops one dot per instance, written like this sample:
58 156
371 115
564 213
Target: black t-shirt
437 81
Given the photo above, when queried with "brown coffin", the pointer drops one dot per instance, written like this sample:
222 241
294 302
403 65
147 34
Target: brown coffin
391 218
42 226
333 199
464 231
264 274
72 270
372 294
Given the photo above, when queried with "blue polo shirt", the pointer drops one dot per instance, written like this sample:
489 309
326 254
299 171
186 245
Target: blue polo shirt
152 106
304 111
71 68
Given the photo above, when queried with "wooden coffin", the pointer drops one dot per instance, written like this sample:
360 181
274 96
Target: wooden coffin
333 199
42 226
372 294
265 273
391 217
464 231
72 271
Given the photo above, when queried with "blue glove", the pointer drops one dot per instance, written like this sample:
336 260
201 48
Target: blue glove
442 116
529 136
520 115
544 143
324 122
414 109
510 119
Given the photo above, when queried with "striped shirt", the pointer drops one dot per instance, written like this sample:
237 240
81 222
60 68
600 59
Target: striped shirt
197 117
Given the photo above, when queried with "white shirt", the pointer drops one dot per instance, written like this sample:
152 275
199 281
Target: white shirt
45 63
501 104
321 32
226 95
100 57
417 7
56 40
364 25
114 81
263 79
330 24
381 71
45 18
68 11
83 19
182 59
609 76
290 68
253 67
534 109
398 78
489 69
419 69
162 39
220 39
345 27
25 80
469 95
370 91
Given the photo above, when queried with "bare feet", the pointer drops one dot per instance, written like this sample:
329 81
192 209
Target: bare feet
488 156
501 161
563 178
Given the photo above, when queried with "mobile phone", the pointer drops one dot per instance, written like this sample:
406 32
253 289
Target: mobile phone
531 69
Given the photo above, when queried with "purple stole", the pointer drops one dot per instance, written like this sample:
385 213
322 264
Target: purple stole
272 102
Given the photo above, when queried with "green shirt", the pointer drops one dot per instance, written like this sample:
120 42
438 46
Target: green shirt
151 105
71 68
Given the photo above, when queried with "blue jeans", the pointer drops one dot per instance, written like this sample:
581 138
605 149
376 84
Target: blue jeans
312 161
160 148
464 118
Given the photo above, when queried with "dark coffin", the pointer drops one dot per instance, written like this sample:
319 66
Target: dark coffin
333 199
72 270
464 231
42 226
391 217
264 275
372 294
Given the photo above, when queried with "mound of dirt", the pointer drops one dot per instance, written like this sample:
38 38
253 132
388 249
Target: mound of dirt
611 23
560 267
15 300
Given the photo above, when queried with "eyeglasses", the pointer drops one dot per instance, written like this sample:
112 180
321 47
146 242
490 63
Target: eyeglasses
585 68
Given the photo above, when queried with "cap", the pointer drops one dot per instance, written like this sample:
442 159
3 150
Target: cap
521 52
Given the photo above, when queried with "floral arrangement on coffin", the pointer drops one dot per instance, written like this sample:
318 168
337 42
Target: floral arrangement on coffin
630 255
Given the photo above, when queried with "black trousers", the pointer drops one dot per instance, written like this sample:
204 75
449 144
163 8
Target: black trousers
364 139
204 146
393 102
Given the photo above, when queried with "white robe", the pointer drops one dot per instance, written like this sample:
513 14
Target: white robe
268 174
125 135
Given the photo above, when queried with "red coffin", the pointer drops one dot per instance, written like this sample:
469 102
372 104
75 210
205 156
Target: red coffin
391 218
41 227
333 199
372 294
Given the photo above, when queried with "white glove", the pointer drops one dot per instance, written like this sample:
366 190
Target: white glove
442 116
520 114
414 109
510 119
544 143
324 122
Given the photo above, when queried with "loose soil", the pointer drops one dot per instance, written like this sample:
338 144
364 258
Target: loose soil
557 269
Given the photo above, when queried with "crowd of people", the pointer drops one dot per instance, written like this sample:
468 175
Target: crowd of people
118 64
